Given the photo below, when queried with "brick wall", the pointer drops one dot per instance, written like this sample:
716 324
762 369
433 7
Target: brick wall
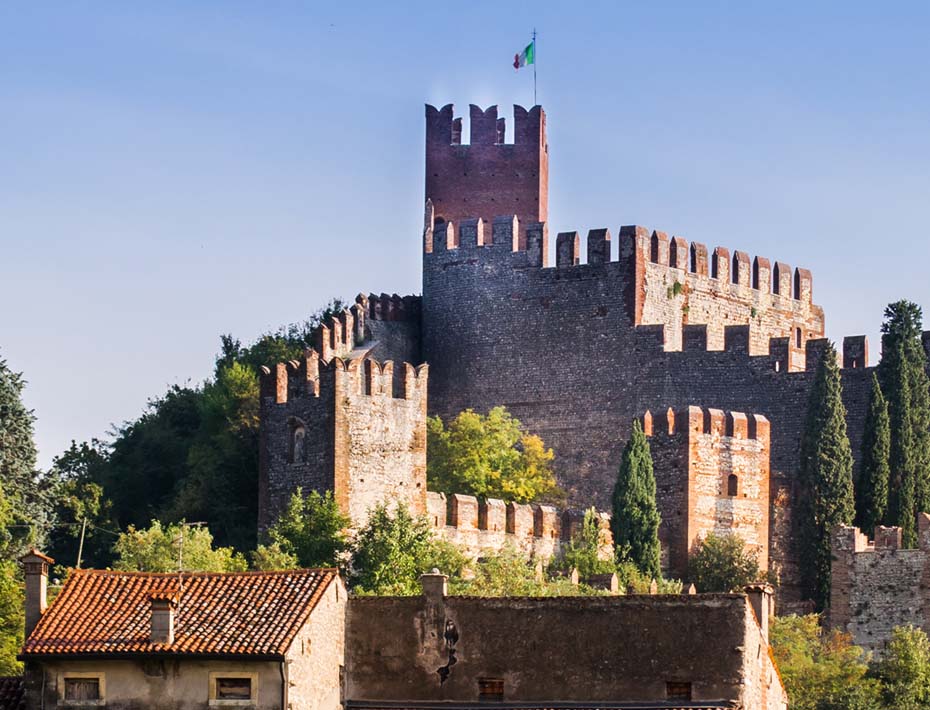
488 177
712 476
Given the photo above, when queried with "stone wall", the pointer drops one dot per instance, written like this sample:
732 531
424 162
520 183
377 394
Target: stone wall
876 586
317 654
560 348
569 649
482 527
351 427
712 476
489 176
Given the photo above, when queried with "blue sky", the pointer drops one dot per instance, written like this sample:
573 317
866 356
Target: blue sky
172 172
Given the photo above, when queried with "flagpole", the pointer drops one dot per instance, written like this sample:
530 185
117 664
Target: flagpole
534 66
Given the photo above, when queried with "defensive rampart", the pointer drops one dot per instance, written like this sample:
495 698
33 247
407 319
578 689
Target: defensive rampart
561 348
485 526
878 585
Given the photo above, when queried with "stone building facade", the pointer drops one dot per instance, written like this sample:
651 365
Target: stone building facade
636 651
878 585
712 476
617 324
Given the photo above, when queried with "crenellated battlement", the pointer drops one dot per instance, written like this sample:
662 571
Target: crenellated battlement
342 332
487 176
781 355
482 526
699 420
444 128
362 376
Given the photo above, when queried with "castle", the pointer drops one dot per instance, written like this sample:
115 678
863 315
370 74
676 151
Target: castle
715 351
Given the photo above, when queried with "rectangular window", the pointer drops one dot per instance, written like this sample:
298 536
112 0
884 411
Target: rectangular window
490 690
82 689
233 688
678 691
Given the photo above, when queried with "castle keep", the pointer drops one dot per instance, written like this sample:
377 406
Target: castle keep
618 324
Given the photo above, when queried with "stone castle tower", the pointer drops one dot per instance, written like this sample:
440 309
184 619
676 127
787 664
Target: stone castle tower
578 346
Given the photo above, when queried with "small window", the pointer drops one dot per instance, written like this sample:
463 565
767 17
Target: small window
82 689
491 690
732 485
233 688
678 691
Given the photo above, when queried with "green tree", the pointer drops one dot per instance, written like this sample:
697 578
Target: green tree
392 550
826 477
905 669
21 488
81 507
723 564
312 530
273 557
583 552
872 491
163 548
903 377
821 670
635 519
490 457
11 605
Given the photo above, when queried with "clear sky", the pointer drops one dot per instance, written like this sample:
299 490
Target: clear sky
173 172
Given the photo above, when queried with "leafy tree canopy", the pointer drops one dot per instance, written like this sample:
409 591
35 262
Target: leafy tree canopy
583 551
489 457
394 548
821 670
311 529
723 564
904 669
165 548
23 495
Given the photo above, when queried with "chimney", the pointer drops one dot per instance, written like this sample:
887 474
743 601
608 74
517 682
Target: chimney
762 598
35 568
163 604
434 585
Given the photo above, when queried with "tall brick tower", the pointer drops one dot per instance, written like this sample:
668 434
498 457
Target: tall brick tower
489 177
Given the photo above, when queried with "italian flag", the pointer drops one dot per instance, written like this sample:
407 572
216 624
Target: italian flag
526 57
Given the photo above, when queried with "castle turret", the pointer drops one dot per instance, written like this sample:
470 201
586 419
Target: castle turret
488 177
354 427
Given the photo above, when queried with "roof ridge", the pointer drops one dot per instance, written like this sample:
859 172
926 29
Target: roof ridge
86 571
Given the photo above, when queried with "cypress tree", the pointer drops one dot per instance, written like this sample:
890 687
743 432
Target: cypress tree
872 491
635 520
826 477
903 377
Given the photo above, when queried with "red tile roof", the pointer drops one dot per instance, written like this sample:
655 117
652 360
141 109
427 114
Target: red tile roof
11 693
235 613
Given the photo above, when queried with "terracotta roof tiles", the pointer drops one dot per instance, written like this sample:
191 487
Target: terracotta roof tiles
238 613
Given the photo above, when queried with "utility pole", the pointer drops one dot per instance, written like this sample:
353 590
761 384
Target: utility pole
81 544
